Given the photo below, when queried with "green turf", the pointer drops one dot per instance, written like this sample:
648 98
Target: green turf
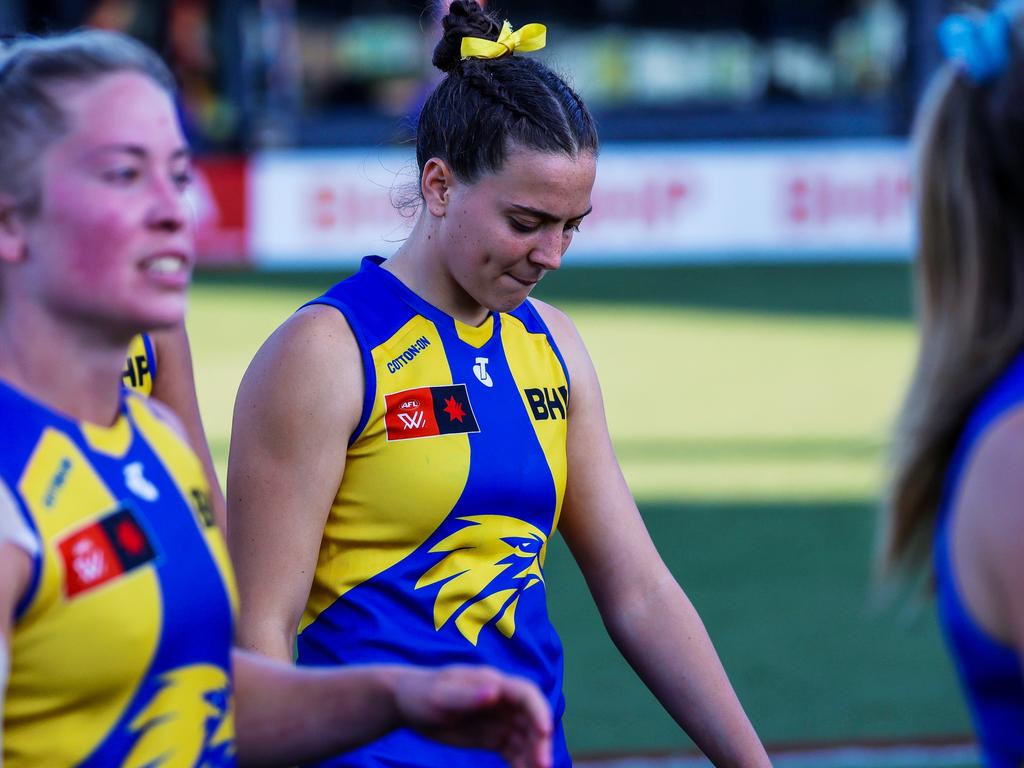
879 289
750 408
840 289
785 592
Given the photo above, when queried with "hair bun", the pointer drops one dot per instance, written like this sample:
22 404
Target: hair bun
465 18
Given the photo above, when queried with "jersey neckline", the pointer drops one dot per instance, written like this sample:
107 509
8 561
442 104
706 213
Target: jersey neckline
476 336
113 440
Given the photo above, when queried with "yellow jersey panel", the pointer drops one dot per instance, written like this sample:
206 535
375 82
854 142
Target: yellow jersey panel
542 383
385 509
58 484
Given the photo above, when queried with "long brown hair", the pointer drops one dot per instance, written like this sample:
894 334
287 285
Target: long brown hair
969 143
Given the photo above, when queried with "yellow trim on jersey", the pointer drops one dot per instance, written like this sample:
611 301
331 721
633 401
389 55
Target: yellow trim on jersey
532 361
475 335
113 441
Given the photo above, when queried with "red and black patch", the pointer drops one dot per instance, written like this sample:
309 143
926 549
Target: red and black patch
429 412
103 551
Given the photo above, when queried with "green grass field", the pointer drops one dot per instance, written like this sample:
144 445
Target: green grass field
750 408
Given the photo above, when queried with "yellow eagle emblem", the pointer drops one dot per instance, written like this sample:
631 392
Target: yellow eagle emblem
489 564
189 722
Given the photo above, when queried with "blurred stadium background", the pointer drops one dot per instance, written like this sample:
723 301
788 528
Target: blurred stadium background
743 285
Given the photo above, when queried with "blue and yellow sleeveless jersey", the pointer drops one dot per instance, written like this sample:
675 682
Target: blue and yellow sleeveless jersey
990 671
433 551
140 365
120 653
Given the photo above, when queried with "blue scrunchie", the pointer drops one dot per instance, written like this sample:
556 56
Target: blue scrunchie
980 45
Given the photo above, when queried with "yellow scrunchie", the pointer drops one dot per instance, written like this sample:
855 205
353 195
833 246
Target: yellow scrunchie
530 37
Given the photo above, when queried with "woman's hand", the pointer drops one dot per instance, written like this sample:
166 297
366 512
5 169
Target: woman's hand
477 707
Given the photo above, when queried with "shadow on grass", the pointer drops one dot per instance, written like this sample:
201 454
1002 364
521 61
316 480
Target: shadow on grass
785 592
874 289
879 290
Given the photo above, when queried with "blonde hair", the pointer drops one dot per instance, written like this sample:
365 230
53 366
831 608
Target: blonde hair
31 69
969 140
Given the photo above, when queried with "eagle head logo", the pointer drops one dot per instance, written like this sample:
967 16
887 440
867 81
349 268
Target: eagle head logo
488 564
188 722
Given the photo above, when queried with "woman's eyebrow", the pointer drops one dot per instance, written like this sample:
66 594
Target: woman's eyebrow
544 215
137 150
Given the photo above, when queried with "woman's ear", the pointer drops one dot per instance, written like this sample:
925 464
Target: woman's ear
12 230
435 185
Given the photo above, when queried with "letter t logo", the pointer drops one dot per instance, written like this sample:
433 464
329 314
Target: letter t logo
480 370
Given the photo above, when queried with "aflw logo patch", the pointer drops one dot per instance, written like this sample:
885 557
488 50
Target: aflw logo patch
429 412
103 551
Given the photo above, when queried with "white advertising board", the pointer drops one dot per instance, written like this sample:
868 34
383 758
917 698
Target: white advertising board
322 209
651 203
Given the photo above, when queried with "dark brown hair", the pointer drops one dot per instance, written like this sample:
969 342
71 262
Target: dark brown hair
485 107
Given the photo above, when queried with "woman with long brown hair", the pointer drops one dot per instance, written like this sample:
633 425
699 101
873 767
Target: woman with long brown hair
957 486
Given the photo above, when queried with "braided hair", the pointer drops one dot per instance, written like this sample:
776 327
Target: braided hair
485 107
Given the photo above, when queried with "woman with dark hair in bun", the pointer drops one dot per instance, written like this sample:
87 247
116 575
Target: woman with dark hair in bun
405 445
116 597
954 506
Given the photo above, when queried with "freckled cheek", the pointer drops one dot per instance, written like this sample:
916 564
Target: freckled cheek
485 249
510 250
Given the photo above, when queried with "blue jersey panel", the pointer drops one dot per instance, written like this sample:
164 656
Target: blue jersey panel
990 672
